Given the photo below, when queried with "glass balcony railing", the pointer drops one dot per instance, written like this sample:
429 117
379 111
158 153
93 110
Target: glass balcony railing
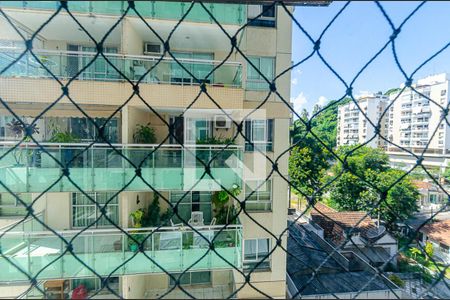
98 167
228 14
68 64
111 252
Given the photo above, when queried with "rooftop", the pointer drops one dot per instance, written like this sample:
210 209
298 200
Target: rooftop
306 257
438 231
336 223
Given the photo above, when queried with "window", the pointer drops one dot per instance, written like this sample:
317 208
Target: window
261 199
256 251
267 18
85 212
266 66
198 129
443 92
81 128
10 206
192 278
260 133
199 69
434 199
100 69
193 201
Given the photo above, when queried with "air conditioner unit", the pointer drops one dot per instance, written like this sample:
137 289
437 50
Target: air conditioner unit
152 49
222 122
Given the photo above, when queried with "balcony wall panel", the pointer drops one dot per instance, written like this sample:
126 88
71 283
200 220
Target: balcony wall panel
26 90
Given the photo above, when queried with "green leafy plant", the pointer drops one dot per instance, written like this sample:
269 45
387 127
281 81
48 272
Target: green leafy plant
222 197
415 251
133 245
215 141
397 280
62 137
144 134
19 128
153 217
428 250
226 214
137 216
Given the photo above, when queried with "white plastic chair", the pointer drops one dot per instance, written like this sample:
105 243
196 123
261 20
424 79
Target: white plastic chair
196 218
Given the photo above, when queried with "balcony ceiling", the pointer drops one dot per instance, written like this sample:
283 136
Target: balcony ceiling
200 36
32 20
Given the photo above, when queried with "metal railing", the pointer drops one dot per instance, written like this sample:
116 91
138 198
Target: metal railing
230 14
148 69
107 251
99 167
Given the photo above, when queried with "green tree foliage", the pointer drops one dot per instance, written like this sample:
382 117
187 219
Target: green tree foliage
307 166
415 251
369 177
428 250
310 160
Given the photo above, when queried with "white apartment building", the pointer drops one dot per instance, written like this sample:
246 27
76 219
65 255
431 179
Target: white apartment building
353 121
415 123
80 160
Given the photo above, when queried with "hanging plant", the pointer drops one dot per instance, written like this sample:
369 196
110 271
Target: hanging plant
19 128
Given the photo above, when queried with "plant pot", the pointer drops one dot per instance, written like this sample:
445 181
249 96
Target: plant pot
134 247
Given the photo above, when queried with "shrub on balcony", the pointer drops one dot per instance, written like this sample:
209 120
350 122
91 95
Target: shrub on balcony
153 217
225 211
62 137
215 141
144 134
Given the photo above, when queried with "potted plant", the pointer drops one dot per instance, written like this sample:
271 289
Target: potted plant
59 136
136 222
18 128
223 208
144 134
136 218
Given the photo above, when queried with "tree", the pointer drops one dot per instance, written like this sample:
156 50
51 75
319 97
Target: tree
401 197
368 177
415 251
428 250
307 166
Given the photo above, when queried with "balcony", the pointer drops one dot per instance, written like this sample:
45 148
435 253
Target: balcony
111 252
228 14
67 64
98 167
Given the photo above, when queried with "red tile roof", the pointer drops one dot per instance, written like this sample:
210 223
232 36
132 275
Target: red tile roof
334 223
422 184
438 231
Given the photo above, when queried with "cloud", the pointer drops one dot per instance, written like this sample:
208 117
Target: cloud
299 102
294 81
322 101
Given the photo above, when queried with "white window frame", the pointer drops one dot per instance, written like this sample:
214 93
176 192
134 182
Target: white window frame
259 83
267 203
257 259
191 129
96 210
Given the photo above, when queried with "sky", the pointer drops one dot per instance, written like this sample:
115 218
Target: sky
355 37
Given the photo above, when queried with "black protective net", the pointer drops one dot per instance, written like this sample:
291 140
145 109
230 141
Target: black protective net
318 171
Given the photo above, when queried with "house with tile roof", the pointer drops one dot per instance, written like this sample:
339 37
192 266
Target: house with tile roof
355 231
432 197
438 234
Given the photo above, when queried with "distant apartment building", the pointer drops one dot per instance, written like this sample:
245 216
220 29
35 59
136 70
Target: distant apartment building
71 182
415 123
354 125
